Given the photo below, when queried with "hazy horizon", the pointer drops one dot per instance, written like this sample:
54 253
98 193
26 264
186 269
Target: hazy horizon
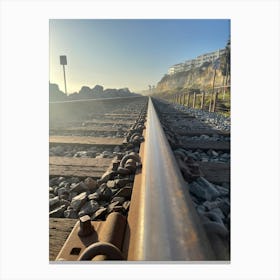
127 53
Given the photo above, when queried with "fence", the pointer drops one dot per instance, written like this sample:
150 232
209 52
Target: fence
208 100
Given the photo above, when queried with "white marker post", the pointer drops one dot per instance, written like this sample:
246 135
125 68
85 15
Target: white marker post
63 62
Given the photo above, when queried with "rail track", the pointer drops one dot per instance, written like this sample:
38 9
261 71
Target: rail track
137 180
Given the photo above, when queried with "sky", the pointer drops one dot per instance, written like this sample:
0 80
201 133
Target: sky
127 53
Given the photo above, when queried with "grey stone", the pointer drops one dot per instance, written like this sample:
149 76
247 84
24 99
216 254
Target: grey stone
62 184
107 176
197 190
79 188
70 214
51 189
62 191
104 192
53 201
51 195
91 184
126 205
99 214
200 209
112 206
64 196
74 180
119 183
211 204
117 149
118 198
111 184
94 196
225 207
222 190
58 212
214 153
124 192
60 179
89 208
218 212
78 201
211 191
64 202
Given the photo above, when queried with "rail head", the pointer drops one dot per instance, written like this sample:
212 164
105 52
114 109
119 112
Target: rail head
167 227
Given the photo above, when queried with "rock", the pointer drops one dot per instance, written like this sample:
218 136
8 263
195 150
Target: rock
91 184
72 195
114 207
62 184
60 179
104 192
198 190
62 191
124 192
126 205
218 212
225 207
53 201
214 153
223 191
119 183
211 191
117 149
89 208
211 204
64 197
64 202
79 188
58 212
120 199
200 209
53 181
99 214
78 201
106 154
94 196
74 180
107 176
70 214
111 184
51 195
51 189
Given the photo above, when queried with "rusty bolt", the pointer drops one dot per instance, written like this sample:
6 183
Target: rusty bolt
85 226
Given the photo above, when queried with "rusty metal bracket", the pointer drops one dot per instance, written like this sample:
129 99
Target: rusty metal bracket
95 240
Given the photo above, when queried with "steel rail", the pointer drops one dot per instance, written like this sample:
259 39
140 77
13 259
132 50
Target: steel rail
166 226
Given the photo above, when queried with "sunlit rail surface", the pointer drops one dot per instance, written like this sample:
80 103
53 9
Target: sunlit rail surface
137 180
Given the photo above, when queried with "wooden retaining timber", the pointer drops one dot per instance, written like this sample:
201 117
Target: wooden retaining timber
205 145
78 167
84 140
215 172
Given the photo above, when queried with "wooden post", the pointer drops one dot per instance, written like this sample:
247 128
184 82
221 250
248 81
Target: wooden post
188 100
210 103
202 100
194 99
184 99
215 101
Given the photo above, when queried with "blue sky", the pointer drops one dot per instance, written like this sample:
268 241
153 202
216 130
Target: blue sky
128 53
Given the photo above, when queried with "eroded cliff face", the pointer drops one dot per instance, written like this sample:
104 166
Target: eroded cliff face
197 78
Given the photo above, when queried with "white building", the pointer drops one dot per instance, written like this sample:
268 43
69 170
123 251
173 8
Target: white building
196 62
